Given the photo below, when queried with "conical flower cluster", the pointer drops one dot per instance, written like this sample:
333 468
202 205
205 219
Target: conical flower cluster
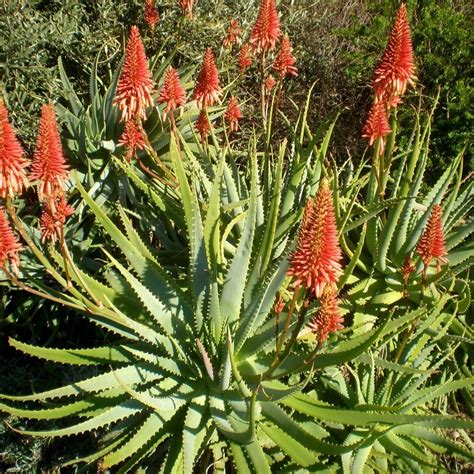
152 16
135 85
172 94
328 317
266 30
315 262
376 125
12 162
285 61
233 114
49 165
233 34
432 243
132 138
187 7
396 68
269 83
207 90
52 220
245 60
203 126
9 246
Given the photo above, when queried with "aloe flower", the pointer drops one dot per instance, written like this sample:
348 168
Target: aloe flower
135 85
207 90
376 125
233 34
315 262
396 68
9 246
285 61
245 60
203 126
49 164
233 115
52 221
172 92
187 7
432 242
132 138
269 83
266 30
12 162
328 317
152 16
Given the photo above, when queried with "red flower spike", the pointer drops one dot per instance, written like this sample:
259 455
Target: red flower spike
49 165
315 262
285 61
52 221
270 83
207 90
432 243
233 115
9 246
266 30
12 164
376 126
245 61
132 138
203 126
408 268
279 304
135 86
152 16
233 34
172 92
187 7
328 317
396 68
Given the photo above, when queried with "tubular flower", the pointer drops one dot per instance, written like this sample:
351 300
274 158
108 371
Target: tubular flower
245 61
49 165
396 68
203 126
135 85
132 138
328 317
376 126
432 242
207 90
266 30
233 115
315 262
285 61
151 14
279 304
172 92
9 246
233 34
187 7
270 83
52 221
12 164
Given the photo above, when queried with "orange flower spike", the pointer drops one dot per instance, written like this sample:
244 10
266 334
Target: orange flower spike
187 7
207 91
328 318
396 68
285 61
432 242
245 61
279 305
9 246
52 222
376 125
203 126
315 262
12 162
135 85
49 164
172 92
152 16
132 138
233 114
266 30
233 34
270 83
